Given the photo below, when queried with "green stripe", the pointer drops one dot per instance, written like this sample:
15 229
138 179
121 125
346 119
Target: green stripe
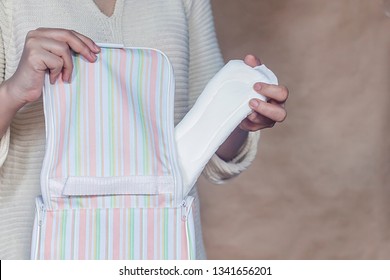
190 253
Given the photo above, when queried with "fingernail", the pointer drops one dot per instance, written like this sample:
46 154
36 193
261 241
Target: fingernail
257 86
254 103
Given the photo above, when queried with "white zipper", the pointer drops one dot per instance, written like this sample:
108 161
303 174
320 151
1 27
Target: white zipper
186 207
40 209
48 159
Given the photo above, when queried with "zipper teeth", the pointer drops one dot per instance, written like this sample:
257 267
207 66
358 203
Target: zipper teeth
38 233
39 212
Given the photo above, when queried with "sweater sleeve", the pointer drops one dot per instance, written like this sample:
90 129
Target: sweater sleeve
205 61
4 141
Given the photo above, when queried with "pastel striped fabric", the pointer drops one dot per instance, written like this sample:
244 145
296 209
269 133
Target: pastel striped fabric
111 186
111 129
116 233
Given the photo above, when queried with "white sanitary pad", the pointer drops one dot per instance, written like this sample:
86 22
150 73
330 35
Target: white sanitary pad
220 108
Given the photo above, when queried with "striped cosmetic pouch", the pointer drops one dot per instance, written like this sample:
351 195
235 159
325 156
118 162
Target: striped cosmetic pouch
111 186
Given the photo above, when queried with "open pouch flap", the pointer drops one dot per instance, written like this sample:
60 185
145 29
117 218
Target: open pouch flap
111 130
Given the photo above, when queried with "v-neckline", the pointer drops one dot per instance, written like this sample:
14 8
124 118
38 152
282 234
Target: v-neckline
97 10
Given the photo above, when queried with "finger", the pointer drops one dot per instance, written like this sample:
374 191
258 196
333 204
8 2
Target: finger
256 118
261 121
62 50
79 46
63 33
88 41
252 60
272 111
54 63
77 42
272 101
278 93
247 125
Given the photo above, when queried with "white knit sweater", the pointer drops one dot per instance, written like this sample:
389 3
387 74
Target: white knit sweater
183 29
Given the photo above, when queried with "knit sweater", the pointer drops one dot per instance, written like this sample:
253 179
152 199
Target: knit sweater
182 29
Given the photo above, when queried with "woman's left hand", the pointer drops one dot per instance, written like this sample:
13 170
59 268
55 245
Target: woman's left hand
265 114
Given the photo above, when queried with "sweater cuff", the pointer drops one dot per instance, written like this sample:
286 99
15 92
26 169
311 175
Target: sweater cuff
218 170
4 145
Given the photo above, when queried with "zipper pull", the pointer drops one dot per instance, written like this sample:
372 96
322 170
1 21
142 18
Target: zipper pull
42 211
184 210
186 207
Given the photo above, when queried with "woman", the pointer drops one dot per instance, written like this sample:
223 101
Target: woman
38 35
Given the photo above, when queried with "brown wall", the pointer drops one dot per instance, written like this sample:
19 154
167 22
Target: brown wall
320 186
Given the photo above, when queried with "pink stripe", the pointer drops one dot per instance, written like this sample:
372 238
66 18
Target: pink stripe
184 251
48 235
127 201
160 200
82 234
159 233
58 234
116 234
127 235
94 202
150 233
61 203
56 225
92 235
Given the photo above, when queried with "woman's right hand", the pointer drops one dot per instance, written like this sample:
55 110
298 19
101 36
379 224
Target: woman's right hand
47 49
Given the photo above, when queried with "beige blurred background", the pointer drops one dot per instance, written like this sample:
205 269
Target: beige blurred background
320 186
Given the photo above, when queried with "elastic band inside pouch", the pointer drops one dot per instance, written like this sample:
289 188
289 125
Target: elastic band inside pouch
88 186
